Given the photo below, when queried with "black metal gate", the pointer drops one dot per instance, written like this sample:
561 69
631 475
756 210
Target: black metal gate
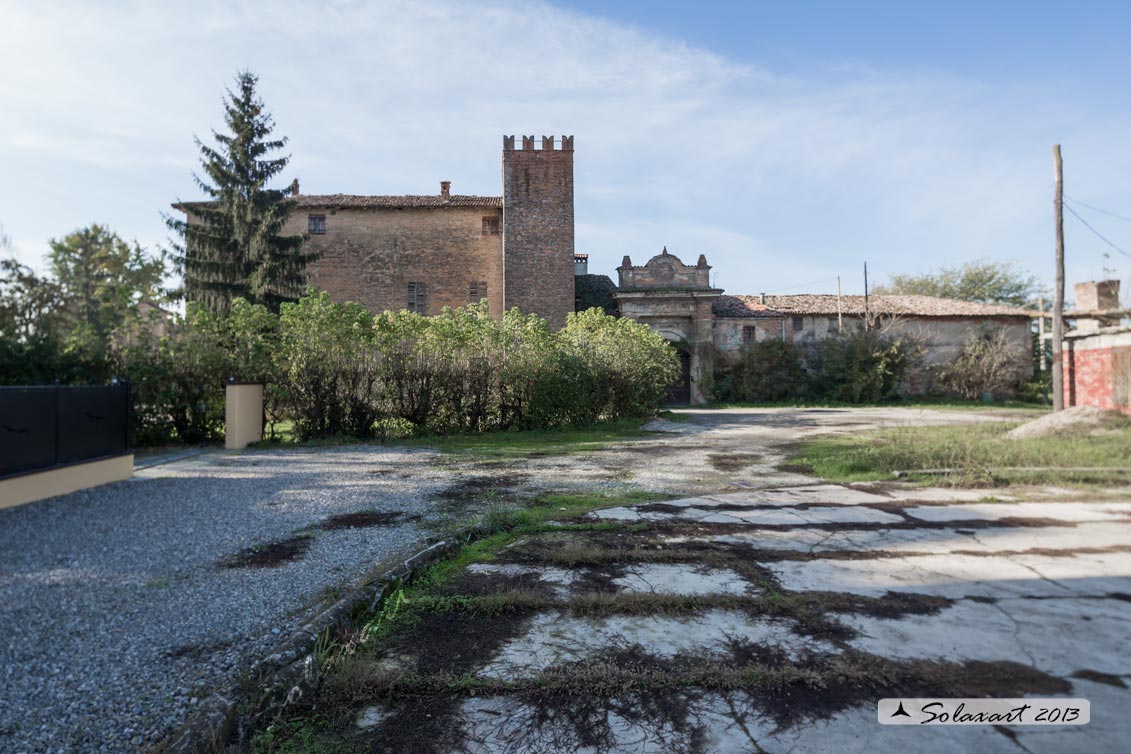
44 427
679 392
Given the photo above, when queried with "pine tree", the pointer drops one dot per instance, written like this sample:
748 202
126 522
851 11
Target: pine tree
232 243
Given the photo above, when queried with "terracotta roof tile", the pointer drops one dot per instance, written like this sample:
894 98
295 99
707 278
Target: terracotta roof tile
350 201
741 306
815 304
353 201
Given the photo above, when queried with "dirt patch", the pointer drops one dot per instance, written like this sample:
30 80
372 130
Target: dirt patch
1098 677
364 519
481 490
659 508
857 679
1075 420
683 527
601 580
269 555
796 468
431 651
469 584
888 605
732 461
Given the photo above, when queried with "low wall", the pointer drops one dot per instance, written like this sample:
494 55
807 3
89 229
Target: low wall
1097 371
28 488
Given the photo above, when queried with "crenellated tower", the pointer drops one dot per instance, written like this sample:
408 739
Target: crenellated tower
538 227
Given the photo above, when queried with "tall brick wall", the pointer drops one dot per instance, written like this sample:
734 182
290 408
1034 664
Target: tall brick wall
370 255
538 227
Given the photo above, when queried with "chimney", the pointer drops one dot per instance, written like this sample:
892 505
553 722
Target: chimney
762 299
1102 295
1096 296
294 187
445 190
580 264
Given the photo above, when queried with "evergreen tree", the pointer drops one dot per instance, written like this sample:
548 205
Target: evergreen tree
232 244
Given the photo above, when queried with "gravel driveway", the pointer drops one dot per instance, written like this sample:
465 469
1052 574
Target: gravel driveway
121 605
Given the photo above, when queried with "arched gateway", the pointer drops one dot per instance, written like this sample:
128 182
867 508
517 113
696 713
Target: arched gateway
676 301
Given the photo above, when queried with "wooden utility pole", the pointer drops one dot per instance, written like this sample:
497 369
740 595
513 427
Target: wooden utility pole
1058 302
839 308
867 314
1042 362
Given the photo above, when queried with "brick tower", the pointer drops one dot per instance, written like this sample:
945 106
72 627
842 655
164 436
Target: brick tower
538 227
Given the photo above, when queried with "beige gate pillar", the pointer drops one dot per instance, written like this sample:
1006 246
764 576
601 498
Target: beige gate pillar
243 414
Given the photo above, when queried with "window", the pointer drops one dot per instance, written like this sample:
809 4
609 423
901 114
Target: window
316 224
415 297
798 324
748 335
476 292
490 226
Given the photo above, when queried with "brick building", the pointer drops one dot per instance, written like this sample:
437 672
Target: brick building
944 325
1097 352
678 301
423 253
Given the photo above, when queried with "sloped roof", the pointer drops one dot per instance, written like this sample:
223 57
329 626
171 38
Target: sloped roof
742 306
409 201
817 304
350 201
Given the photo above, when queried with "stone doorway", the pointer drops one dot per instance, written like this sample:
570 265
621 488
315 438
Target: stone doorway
679 392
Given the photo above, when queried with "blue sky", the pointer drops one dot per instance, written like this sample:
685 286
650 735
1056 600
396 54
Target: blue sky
789 142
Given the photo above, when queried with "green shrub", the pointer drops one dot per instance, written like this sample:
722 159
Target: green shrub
855 367
177 381
336 369
987 364
627 366
329 366
867 366
769 371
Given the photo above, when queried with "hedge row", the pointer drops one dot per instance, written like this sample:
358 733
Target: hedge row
338 369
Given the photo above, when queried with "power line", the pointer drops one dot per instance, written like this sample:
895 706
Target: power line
1097 209
1098 234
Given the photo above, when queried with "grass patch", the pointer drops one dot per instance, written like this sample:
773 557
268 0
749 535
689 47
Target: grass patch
672 416
502 445
530 443
951 404
980 454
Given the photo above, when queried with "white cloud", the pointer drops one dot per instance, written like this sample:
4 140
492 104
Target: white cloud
779 177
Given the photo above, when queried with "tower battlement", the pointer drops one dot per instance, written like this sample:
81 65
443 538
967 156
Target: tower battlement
549 144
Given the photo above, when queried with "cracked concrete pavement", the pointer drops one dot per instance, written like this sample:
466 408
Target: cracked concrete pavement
767 611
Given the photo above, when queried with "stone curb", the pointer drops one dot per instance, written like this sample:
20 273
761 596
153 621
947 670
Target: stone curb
287 674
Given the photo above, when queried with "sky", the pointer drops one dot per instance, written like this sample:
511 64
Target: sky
789 142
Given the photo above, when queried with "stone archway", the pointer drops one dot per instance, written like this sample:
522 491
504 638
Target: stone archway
676 301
